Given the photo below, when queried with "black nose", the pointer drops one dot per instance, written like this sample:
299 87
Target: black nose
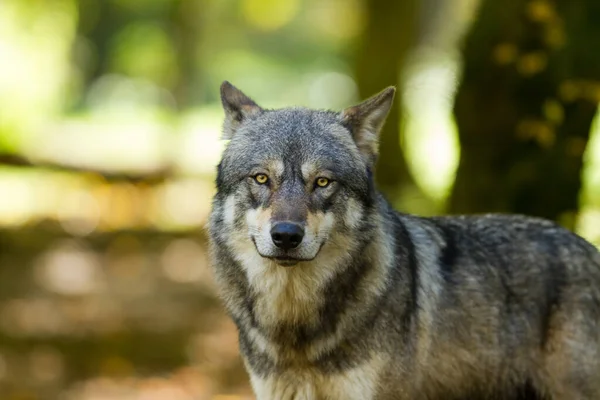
287 235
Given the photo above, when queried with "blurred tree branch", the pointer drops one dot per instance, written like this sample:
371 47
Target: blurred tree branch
153 177
525 106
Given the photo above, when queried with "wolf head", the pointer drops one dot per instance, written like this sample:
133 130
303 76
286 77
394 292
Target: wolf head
295 182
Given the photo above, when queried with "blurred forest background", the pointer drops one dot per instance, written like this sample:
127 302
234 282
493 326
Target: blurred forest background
109 137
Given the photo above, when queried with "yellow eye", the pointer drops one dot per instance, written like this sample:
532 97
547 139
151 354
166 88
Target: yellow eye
261 179
322 182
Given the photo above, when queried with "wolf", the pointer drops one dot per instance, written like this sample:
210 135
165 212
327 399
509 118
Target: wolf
338 296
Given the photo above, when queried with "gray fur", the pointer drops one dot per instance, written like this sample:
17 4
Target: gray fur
376 304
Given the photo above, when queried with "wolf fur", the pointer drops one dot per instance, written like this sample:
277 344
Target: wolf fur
374 304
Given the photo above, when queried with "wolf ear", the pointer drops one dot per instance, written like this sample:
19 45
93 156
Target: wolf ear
237 107
366 119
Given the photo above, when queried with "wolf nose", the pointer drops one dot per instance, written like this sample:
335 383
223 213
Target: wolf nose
287 235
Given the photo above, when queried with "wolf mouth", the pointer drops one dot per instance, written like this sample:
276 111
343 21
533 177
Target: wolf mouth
283 259
286 260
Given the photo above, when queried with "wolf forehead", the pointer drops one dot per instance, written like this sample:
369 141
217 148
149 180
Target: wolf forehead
293 139
343 142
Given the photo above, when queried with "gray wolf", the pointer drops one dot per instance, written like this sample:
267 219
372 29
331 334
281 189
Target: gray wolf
338 296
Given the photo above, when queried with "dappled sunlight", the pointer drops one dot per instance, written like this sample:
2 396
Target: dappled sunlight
591 172
588 224
185 261
184 384
336 19
69 269
588 221
332 90
431 142
83 204
144 50
79 214
131 142
269 15
33 37
33 316
46 365
132 99
184 203
199 146
20 206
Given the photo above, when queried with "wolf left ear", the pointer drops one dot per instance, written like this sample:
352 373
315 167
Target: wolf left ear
237 107
366 119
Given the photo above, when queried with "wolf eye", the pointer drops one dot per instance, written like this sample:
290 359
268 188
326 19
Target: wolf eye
261 179
323 182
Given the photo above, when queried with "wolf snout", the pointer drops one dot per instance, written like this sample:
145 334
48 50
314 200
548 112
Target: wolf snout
287 235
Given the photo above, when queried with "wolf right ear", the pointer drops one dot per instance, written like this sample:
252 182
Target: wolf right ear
237 107
366 119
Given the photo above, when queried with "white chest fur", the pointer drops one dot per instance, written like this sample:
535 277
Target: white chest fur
359 383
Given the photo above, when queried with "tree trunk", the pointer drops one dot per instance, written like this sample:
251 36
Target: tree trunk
186 32
388 37
525 107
